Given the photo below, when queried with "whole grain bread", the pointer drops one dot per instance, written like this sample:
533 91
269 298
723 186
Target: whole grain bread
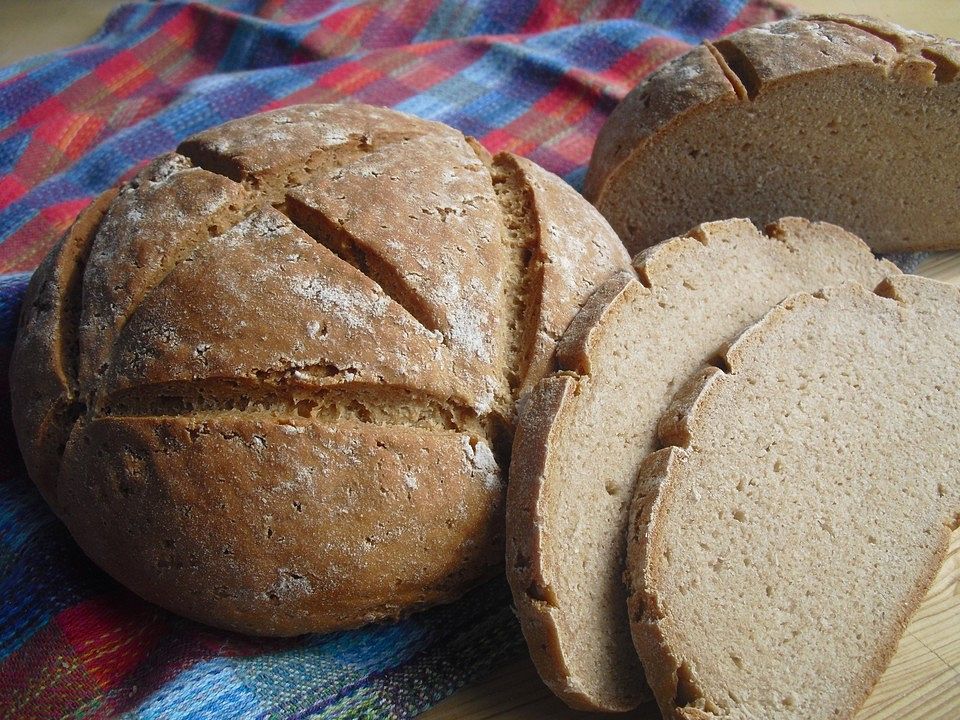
778 551
846 119
585 429
269 383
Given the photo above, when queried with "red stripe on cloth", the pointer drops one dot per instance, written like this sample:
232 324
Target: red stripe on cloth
401 25
51 107
438 61
348 78
562 124
417 68
71 134
46 679
124 73
758 11
167 53
552 117
552 15
433 70
25 249
351 21
61 216
42 157
636 65
112 636
499 140
177 34
172 53
276 10
548 15
10 189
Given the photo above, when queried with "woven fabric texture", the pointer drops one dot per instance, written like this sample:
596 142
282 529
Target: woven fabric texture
537 78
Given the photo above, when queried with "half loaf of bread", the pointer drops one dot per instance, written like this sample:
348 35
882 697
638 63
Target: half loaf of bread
845 119
270 383
586 429
777 554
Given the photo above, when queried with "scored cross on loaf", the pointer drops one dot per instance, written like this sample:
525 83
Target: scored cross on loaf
269 383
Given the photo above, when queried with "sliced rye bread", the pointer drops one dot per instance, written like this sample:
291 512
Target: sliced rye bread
839 118
584 431
775 559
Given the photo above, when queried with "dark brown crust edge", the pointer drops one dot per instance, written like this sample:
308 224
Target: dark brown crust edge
542 418
664 98
42 370
532 594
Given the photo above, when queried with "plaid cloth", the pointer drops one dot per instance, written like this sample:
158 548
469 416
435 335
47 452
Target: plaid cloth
536 78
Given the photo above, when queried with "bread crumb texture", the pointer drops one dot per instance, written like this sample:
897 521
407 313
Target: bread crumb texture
777 556
840 118
270 382
586 429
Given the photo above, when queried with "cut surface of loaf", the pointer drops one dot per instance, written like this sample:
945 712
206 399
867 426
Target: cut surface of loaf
777 556
585 430
270 382
839 118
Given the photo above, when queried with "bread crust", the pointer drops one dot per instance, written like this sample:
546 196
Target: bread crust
660 665
340 278
674 677
571 241
574 349
719 76
530 581
686 84
337 539
43 383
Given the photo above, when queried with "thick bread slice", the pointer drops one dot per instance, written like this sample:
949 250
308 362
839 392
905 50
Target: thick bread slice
845 119
783 550
584 431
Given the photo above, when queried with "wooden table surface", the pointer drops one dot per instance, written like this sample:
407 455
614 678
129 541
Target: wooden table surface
922 682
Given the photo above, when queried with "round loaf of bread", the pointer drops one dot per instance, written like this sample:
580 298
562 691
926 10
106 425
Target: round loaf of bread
845 119
269 383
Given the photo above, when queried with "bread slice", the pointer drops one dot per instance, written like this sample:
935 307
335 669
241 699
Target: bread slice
585 430
845 119
787 543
